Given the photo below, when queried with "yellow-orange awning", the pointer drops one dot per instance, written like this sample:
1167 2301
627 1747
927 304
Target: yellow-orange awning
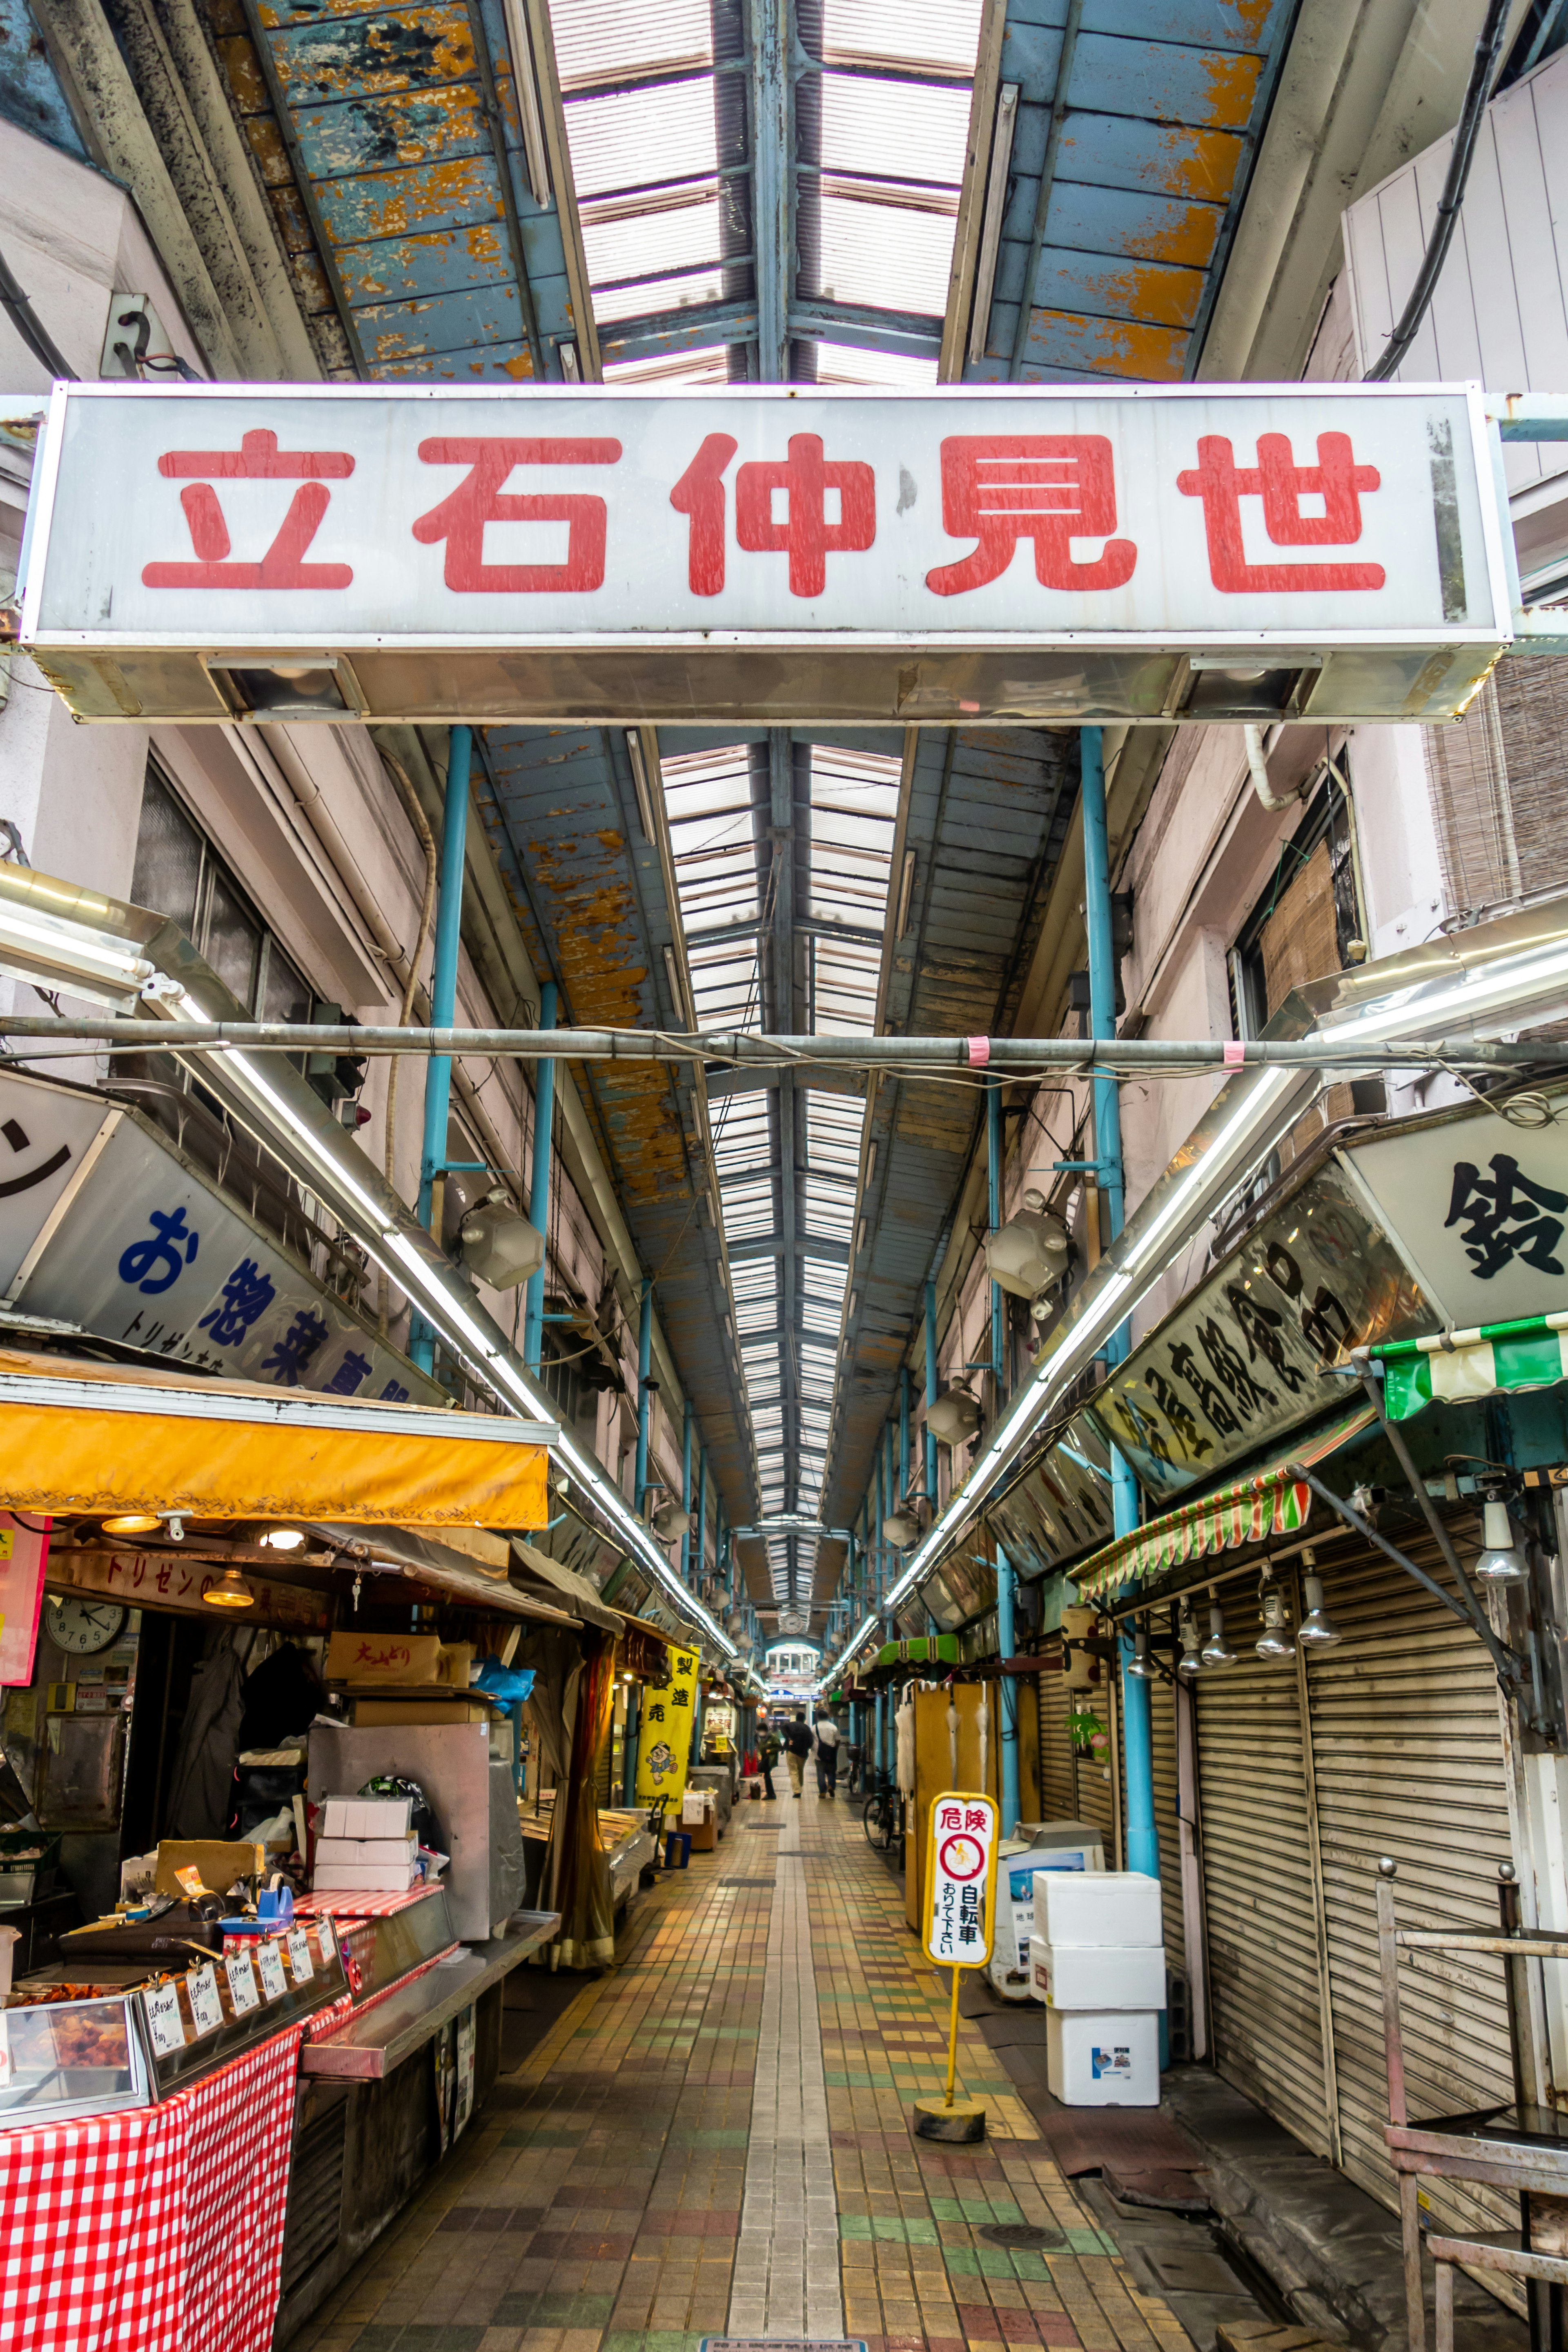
80 1439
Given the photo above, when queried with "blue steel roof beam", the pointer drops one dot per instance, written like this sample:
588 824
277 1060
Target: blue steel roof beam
770 85
1136 133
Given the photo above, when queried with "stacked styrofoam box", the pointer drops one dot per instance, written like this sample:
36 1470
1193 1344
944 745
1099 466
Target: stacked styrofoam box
1097 1959
366 1846
1054 1845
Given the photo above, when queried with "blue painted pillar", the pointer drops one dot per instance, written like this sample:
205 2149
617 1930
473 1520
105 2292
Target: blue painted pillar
993 1218
931 1391
443 1002
1009 1694
1143 1839
904 1432
645 1366
685 1489
538 1184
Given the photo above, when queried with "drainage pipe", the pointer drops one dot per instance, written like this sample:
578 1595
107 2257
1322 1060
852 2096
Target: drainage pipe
538 1184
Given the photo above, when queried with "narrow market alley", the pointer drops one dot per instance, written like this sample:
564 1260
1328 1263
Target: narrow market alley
699 2147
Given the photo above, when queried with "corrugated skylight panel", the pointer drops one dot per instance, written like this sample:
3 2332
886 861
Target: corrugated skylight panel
944 34
709 365
635 139
894 130
603 40
652 296
885 256
850 363
643 243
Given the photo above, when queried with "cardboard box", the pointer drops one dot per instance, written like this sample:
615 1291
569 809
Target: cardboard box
372 1711
705 1835
354 1878
1098 1977
1109 2060
695 1807
397 1658
1098 1906
367 1817
219 1862
369 1854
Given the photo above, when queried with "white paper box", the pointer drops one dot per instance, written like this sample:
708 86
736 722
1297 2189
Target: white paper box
1097 1976
368 1817
1103 2059
368 1853
356 1878
1097 1906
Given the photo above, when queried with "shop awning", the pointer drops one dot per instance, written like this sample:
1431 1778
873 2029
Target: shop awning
575 1591
1274 1502
95 1439
450 1573
1490 1360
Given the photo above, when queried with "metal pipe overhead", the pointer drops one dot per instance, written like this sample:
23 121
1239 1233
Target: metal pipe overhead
1140 1057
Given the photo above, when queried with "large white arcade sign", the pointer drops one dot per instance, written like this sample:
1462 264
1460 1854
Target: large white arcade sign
1024 553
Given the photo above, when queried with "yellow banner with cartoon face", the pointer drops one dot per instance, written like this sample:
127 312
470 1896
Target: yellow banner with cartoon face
664 1736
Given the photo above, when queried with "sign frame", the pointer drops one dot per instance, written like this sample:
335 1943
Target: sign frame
890 673
968 1799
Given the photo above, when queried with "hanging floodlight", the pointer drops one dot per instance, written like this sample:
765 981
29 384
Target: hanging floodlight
901 1527
953 1417
1190 1663
1317 1629
1140 1665
1029 1251
1499 1562
1275 1641
669 1521
498 1245
1215 1651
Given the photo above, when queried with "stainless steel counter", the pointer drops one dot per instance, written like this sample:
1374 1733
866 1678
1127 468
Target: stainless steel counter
367 2048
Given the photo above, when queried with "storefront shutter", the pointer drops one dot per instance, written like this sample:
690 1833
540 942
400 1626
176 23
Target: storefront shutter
1057 1793
1265 2013
1163 1730
1407 1753
1095 1775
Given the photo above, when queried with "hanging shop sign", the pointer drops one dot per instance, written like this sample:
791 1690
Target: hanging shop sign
961 1877
1241 1361
24 1556
1034 552
664 1732
147 1579
1479 1209
1060 1507
104 1226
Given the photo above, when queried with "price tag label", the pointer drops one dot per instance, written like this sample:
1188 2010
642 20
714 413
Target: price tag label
324 1937
300 1958
167 2027
206 2005
241 1982
274 1983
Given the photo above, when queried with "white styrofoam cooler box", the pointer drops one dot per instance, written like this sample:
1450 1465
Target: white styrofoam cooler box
361 1878
1103 2059
1104 1906
1096 1976
368 1853
367 1817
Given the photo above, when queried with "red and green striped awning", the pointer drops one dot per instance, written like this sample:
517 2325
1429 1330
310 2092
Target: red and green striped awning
1275 1502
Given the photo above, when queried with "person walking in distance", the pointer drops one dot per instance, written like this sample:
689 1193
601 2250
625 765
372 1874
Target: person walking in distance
798 1746
827 1755
767 1757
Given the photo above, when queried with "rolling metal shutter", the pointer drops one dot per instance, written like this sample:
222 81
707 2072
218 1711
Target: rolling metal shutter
1057 1795
1098 1797
1163 1730
1408 1758
1265 2013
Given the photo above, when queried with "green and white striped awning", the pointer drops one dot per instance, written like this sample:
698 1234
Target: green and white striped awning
1275 1502
1488 1362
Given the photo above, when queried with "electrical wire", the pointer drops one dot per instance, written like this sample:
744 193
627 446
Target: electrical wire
31 328
1483 66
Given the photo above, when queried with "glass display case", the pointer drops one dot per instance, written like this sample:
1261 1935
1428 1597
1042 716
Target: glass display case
70 2049
377 1952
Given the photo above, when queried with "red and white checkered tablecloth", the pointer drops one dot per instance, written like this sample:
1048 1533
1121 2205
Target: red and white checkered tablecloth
160 2228
360 1906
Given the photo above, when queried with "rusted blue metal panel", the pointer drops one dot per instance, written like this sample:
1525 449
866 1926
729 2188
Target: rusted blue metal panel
1116 232
401 126
30 93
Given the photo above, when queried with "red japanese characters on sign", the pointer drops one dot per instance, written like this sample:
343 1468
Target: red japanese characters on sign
998 488
257 459
460 519
1281 484
961 1878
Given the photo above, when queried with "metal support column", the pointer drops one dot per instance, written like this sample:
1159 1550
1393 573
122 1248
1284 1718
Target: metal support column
993 1218
1008 1708
702 1554
686 1490
645 1366
443 1009
904 1434
538 1184
931 1392
1143 1839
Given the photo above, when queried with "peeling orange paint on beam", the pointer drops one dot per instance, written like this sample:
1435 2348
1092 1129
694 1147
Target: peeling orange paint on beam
1232 91
1119 346
408 49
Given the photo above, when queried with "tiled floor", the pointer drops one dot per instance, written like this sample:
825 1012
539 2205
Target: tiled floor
715 2138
